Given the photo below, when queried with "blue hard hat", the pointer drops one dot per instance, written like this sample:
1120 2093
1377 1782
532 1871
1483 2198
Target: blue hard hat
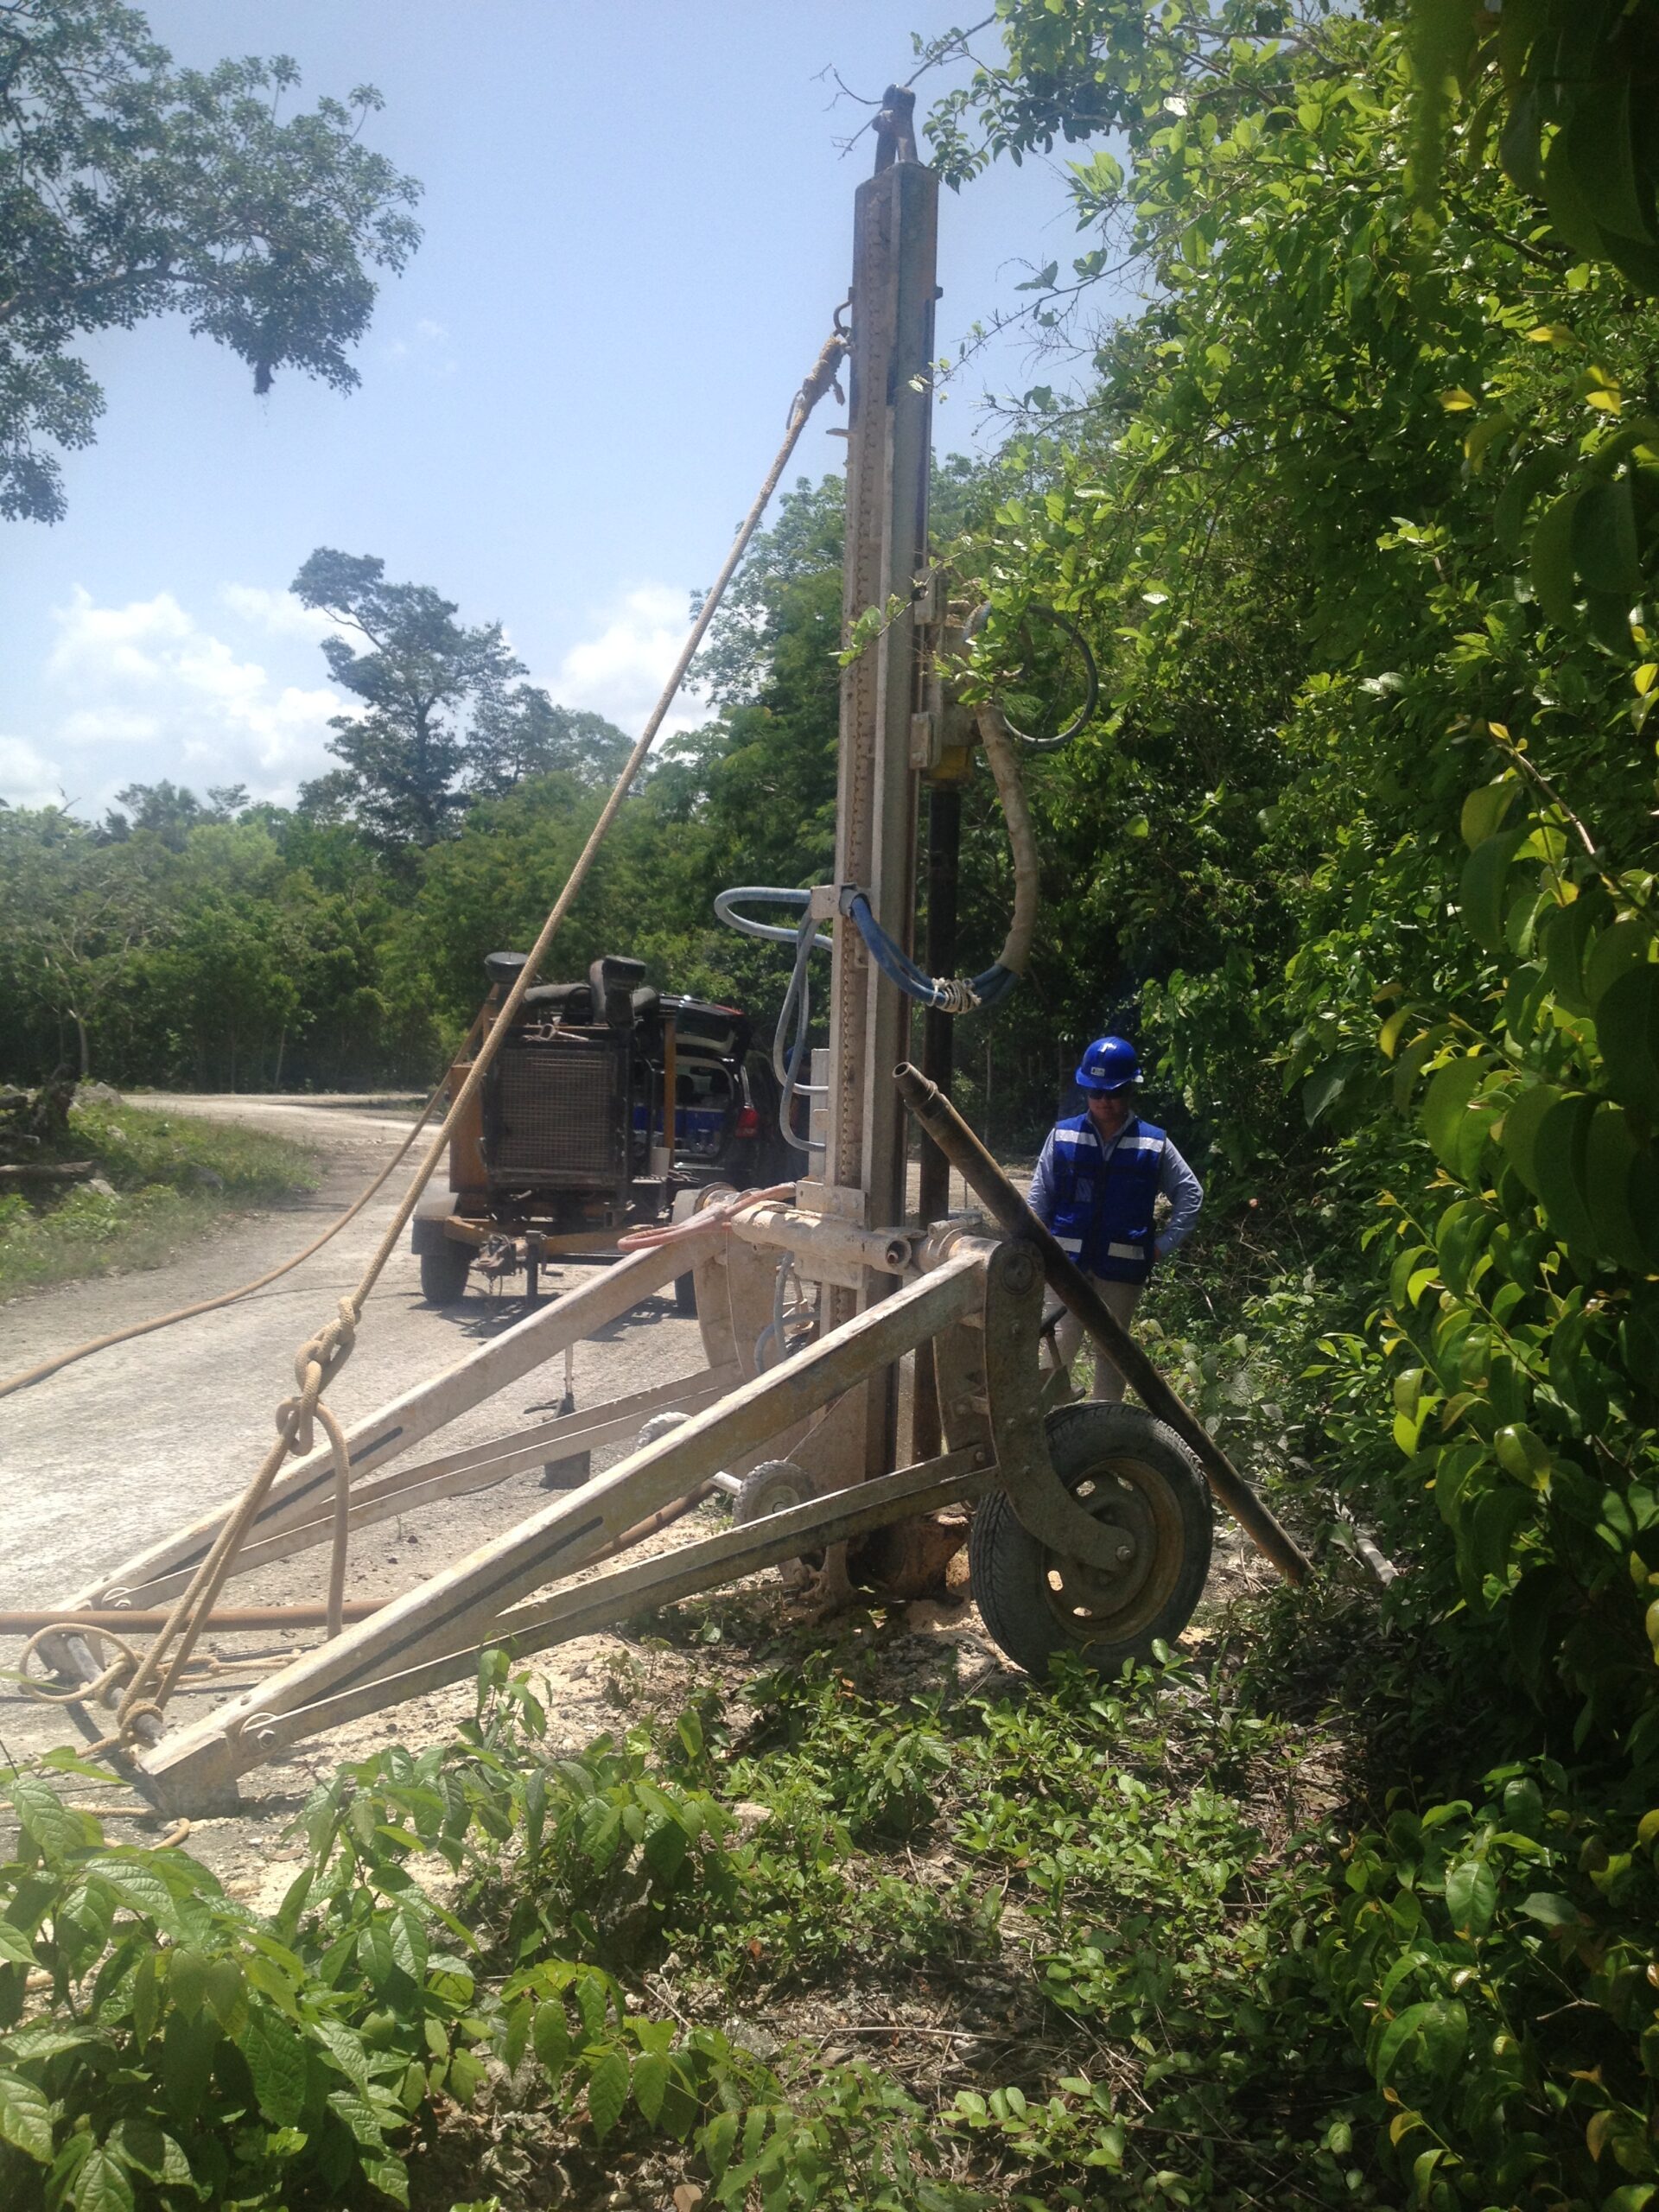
1109 1064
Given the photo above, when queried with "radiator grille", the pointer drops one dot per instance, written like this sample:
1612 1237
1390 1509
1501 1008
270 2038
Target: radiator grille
557 1117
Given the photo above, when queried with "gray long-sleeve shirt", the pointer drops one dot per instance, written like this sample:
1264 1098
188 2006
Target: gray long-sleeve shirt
1176 1182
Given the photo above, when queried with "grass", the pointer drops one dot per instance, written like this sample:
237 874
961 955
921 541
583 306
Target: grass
171 1179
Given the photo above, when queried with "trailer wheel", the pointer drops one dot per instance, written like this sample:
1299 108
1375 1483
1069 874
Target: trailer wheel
686 1295
443 1273
1132 1472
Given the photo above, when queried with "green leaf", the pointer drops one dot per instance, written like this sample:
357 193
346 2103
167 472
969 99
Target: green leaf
1558 1164
1522 1118
102 2184
226 1992
1484 811
1554 577
1490 1539
1429 2039
15 1949
1596 141
408 1944
275 2051
46 1818
1604 539
1515 501
138 1886
665 1847
550 2034
608 2092
1626 944
1627 1030
140 2143
389 2176
1471 1895
374 1953
1409 1066
25 2117
1563 934
649 2084
360 2116
1622 1187
1456 1132
1485 878
1522 1452
1555 1912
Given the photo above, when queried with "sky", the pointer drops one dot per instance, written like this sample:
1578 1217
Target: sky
638 223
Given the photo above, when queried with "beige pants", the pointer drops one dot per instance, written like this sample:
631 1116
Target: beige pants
1121 1300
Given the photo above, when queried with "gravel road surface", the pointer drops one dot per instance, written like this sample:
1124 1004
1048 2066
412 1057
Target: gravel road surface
112 1453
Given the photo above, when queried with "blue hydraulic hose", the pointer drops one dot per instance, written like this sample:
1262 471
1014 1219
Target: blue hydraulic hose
953 995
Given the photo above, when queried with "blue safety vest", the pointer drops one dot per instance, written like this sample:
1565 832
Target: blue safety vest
1102 1204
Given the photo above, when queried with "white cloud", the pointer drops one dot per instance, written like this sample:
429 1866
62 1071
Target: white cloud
278 612
146 691
27 777
619 671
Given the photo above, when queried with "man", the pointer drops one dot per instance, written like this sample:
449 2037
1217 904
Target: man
1096 1185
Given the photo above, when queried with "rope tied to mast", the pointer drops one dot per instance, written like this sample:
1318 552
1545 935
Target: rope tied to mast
320 1357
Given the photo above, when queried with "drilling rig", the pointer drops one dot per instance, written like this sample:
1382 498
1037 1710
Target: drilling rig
866 1365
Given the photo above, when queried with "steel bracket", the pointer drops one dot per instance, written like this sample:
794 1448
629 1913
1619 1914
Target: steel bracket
1014 1314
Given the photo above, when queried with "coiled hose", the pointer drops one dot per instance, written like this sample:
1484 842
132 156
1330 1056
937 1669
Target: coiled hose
807 938
950 994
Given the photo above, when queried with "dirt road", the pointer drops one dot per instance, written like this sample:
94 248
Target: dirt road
113 1452
110 1454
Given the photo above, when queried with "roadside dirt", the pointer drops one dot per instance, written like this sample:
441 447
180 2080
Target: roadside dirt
112 1453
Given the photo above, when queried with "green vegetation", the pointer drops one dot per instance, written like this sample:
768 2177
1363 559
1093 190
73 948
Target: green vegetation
1075 1946
164 1178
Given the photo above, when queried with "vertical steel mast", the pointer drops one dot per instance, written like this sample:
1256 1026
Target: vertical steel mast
890 394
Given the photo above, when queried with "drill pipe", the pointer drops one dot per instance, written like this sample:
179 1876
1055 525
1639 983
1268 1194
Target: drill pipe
935 1113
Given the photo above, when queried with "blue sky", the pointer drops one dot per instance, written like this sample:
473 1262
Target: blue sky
638 222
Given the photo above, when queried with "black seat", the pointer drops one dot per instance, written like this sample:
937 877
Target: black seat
574 1001
614 979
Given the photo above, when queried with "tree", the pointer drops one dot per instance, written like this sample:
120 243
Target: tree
170 811
423 674
521 733
130 188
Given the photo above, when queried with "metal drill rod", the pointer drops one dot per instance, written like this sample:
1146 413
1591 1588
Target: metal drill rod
940 1119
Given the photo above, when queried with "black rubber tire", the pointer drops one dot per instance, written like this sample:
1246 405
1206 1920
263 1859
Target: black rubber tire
443 1273
686 1295
1125 1465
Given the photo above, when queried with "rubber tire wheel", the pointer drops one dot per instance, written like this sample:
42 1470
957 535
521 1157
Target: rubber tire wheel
1128 1456
686 1295
443 1275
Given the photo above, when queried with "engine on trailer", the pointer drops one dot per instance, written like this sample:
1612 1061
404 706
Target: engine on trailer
607 1099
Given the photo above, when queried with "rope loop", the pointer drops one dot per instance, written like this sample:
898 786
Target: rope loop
316 1365
120 1669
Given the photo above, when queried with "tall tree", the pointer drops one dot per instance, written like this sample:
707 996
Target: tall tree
423 674
519 734
130 188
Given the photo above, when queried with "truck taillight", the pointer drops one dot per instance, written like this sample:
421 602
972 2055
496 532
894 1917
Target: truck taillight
748 1122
